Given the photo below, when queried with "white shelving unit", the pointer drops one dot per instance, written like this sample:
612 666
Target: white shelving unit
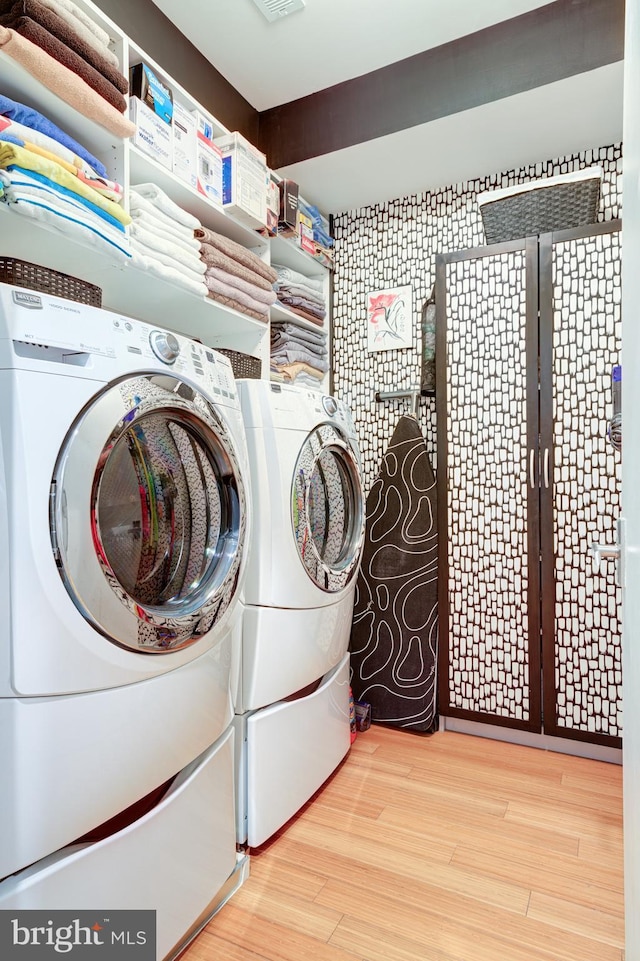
128 289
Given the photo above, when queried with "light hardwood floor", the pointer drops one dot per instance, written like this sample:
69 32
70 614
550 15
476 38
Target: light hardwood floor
437 848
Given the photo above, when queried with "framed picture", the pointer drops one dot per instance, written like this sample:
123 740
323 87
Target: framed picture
390 318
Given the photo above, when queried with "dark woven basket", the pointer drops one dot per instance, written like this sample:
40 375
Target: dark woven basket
243 365
538 211
21 273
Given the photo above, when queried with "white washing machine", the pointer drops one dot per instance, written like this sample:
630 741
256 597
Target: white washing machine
292 712
123 526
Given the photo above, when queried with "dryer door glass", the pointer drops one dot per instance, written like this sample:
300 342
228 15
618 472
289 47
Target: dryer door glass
166 515
327 509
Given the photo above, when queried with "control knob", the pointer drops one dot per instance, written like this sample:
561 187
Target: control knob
164 345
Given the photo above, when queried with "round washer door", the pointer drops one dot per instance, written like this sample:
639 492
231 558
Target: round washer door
327 509
148 514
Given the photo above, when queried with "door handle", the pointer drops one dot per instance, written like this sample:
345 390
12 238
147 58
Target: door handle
603 550
615 551
532 475
546 467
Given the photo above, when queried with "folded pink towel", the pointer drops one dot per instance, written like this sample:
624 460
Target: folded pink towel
215 258
218 287
236 305
63 82
267 297
236 252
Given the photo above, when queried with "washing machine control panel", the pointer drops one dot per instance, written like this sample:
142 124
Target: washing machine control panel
164 345
186 357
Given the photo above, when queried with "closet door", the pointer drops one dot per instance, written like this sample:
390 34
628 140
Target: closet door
487 402
580 483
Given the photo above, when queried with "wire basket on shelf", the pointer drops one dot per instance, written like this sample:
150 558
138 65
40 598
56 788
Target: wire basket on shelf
555 203
242 365
21 273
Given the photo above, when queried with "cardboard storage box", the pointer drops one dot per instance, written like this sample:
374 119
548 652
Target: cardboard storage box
153 136
273 206
144 85
288 216
305 233
185 145
244 180
209 161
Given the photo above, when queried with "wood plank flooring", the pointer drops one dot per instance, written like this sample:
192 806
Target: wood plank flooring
437 848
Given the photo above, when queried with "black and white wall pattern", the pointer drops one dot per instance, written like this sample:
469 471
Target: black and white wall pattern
395 244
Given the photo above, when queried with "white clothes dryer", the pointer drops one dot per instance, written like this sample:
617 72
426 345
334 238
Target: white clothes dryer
123 526
307 540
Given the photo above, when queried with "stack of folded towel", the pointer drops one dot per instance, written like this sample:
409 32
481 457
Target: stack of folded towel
303 295
50 177
67 51
84 50
162 238
298 354
235 276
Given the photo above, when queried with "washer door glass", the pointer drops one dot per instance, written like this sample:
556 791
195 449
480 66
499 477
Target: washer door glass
328 509
149 541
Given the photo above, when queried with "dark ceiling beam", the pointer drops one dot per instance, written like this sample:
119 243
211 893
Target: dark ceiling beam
550 43
162 41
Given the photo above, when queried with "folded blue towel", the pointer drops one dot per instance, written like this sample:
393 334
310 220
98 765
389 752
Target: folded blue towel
31 118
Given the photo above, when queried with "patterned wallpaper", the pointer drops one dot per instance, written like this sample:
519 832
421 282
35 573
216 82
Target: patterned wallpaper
394 244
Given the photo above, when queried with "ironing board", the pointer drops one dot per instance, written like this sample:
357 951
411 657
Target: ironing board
394 633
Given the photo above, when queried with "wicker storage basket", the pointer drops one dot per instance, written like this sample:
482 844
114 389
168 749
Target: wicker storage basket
243 365
556 203
21 273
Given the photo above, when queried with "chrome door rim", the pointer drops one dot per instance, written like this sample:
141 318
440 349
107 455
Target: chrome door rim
330 578
82 560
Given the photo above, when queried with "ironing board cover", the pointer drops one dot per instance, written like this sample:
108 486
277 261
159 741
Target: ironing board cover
394 633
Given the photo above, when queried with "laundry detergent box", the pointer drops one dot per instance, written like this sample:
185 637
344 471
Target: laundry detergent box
208 161
185 144
153 136
245 177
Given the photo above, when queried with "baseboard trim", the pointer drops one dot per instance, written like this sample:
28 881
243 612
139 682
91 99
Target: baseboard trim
561 745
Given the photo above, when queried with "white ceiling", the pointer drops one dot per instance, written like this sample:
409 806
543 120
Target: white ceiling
330 41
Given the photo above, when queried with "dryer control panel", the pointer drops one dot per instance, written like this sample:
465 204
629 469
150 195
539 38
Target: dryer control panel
288 407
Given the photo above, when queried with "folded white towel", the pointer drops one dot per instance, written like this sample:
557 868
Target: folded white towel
166 230
147 263
23 132
70 225
84 26
165 259
143 206
15 193
158 198
151 239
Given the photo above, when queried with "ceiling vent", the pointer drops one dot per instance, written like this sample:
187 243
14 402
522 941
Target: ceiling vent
275 9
